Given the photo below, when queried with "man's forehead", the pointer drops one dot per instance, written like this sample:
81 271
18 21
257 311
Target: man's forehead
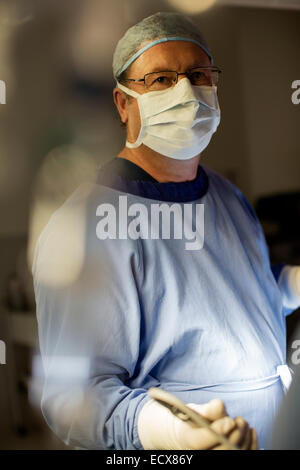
170 56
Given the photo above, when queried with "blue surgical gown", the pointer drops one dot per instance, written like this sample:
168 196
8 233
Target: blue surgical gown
119 315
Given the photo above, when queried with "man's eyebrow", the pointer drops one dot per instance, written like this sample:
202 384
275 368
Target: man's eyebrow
164 69
197 64
161 69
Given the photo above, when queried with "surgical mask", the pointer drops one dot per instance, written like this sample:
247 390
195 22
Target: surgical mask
178 122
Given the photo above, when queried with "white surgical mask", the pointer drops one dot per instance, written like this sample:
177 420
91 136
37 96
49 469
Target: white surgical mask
178 122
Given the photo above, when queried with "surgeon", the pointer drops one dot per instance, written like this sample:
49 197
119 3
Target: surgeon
157 274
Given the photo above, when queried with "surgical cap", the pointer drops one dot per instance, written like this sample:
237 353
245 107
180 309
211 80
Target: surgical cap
161 27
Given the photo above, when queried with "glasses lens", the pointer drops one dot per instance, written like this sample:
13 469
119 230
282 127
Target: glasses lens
207 76
157 81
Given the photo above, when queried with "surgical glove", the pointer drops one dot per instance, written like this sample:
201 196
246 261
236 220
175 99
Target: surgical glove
159 429
289 284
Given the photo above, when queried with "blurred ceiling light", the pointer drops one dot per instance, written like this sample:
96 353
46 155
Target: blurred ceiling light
192 6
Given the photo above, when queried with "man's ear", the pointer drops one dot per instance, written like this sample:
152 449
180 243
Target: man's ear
121 103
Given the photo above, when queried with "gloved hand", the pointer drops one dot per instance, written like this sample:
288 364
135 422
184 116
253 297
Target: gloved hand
159 429
289 284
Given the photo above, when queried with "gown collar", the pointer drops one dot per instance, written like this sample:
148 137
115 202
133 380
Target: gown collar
125 176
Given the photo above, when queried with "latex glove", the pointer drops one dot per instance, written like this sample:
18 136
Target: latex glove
159 429
289 284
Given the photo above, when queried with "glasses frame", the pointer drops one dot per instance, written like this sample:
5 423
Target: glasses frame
188 72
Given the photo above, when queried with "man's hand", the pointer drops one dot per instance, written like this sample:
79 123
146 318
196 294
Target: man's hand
158 428
236 430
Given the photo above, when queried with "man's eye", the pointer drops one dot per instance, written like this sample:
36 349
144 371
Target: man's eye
198 75
162 79
160 82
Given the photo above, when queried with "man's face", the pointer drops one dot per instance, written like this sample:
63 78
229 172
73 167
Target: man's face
178 56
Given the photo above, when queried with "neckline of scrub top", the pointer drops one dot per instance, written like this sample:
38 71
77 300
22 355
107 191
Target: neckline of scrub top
125 178
126 169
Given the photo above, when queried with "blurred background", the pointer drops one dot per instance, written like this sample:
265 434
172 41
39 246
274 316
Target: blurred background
58 124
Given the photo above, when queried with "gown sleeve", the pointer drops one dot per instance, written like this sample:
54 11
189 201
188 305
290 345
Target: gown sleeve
290 301
89 324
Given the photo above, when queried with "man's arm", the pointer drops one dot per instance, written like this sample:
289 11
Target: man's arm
89 330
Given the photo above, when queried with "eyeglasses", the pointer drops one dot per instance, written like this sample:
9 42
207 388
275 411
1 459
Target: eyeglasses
156 81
